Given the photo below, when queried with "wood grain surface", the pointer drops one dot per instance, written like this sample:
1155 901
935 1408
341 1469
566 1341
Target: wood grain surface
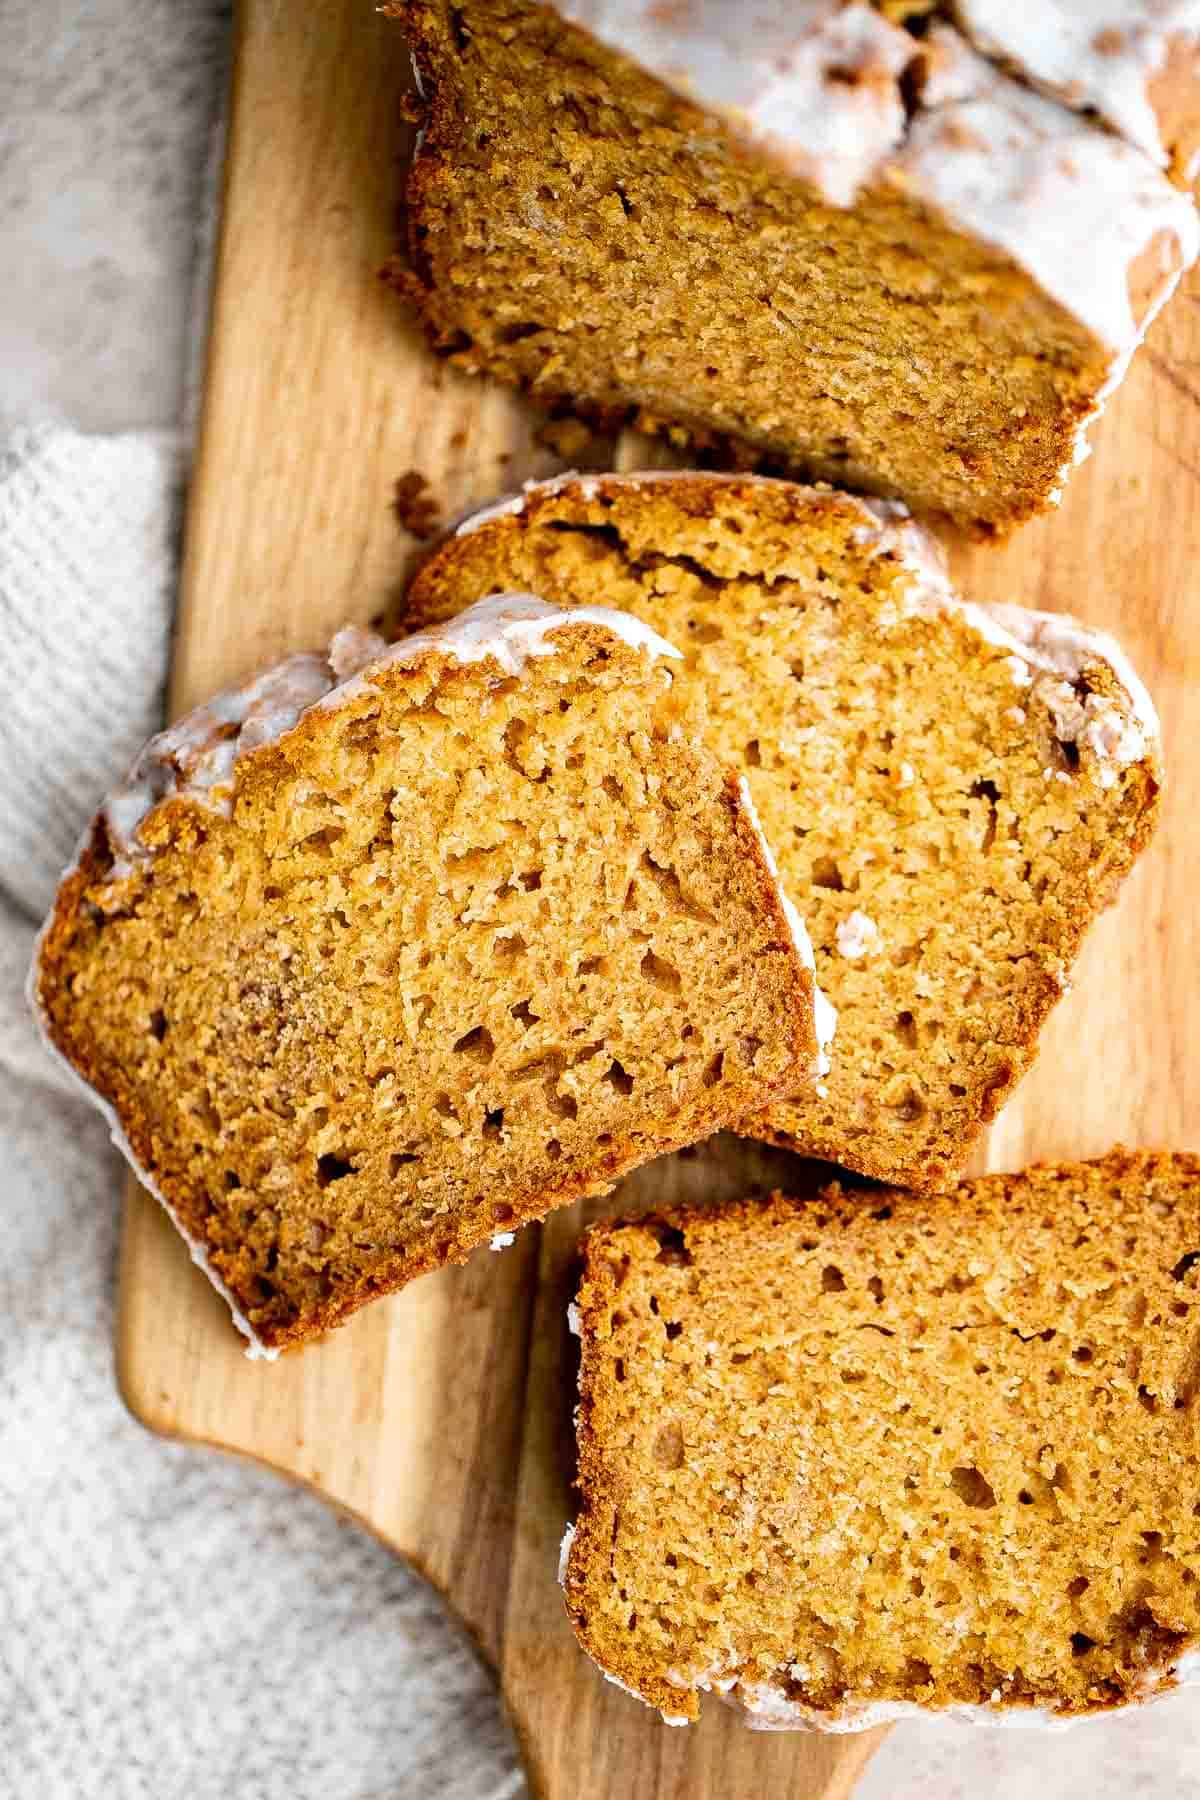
441 1418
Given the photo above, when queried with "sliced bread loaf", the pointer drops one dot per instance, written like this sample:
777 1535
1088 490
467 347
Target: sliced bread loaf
952 792
851 1456
389 951
857 250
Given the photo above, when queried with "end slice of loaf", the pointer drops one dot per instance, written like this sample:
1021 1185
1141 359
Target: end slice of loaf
389 951
953 792
847 1457
807 234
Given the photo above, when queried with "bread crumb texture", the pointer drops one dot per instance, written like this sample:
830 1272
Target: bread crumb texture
579 230
462 945
843 1455
941 808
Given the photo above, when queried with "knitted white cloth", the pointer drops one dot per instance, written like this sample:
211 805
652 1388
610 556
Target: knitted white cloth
171 1624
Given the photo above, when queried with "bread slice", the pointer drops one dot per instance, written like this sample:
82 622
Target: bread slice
952 792
842 246
389 951
849 1456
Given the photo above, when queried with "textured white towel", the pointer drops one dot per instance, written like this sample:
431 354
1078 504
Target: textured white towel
171 1624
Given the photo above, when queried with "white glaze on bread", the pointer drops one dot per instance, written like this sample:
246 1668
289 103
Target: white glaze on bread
1051 654
1046 650
1074 206
816 82
1094 55
770 1708
196 757
820 87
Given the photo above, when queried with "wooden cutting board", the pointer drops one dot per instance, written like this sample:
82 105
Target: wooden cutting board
441 1418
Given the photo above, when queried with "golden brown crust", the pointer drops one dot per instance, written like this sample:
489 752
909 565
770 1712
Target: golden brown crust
704 557
867 1447
708 362
217 1127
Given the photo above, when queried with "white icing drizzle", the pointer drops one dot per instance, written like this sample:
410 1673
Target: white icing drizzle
502 1240
512 505
1096 54
857 936
508 628
771 1708
818 86
564 1553
768 1707
615 1681
824 1012
196 757
815 81
667 1718
1049 653
1038 643
1062 643
1073 205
